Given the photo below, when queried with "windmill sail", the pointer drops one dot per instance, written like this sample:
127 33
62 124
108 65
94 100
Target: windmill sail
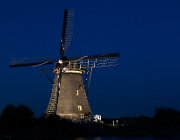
103 60
22 62
67 31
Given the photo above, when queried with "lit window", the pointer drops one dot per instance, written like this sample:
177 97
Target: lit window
77 92
79 107
82 116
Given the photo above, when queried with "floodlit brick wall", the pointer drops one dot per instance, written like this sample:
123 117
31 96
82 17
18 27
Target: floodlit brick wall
72 100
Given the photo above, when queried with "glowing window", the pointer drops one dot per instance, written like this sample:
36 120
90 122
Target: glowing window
77 92
79 107
82 116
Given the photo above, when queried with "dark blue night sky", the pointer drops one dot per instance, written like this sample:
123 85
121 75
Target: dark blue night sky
145 32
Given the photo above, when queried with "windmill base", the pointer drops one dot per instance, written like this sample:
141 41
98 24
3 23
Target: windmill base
71 101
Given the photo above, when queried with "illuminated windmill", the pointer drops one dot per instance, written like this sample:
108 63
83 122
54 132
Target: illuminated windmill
68 98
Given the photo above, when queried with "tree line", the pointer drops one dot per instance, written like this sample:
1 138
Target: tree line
19 122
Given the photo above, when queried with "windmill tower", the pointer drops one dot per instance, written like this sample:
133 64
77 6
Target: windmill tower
68 97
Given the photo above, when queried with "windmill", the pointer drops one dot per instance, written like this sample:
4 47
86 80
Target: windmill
68 97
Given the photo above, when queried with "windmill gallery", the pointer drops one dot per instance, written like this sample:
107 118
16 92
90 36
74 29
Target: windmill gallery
68 97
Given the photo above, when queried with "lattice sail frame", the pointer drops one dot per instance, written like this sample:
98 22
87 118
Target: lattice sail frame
92 63
67 31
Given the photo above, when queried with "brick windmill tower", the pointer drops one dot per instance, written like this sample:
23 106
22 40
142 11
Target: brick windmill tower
68 97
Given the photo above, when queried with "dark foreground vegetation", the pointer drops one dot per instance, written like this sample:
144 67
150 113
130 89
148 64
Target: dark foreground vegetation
20 123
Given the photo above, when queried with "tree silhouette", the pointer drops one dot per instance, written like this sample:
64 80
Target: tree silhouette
8 119
24 115
13 118
167 117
